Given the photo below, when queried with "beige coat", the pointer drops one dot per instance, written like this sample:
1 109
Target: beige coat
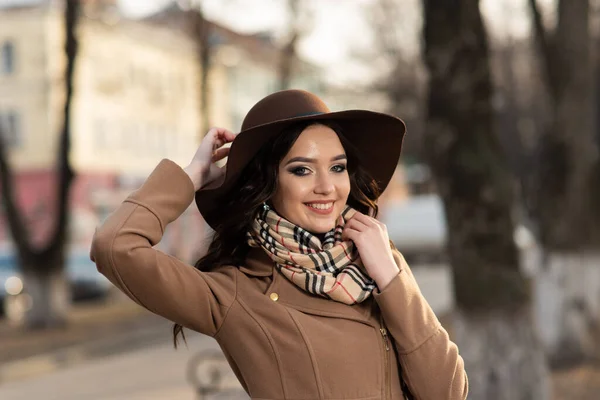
281 342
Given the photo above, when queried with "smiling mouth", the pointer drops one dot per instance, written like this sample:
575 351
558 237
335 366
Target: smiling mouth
320 208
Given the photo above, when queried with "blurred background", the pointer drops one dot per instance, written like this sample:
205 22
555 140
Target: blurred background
495 203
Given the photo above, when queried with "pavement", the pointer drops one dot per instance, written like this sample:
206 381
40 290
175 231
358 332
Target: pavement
117 324
152 372
119 342
96 329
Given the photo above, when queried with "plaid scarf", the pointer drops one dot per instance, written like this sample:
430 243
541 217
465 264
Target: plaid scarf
331 269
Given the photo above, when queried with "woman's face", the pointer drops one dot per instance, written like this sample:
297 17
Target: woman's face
313 183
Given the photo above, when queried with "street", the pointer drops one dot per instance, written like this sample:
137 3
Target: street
157 372
148 370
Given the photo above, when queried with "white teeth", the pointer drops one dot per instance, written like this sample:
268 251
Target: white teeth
320 206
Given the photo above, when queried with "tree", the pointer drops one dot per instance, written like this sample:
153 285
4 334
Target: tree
201 32
288 52
298 25
43 268
566 184
400 70
493 324
567 68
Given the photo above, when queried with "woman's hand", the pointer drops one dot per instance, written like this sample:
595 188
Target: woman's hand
372 241
203 170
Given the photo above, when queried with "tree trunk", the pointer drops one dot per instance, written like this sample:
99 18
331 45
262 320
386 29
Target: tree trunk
568 219
503 357
474 181
568 150
45 266
50 298
567 305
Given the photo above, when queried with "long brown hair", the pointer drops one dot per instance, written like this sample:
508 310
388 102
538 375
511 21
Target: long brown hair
257 185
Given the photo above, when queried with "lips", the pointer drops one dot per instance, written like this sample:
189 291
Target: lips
320 207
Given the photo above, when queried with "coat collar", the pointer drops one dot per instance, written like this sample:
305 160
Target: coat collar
259 264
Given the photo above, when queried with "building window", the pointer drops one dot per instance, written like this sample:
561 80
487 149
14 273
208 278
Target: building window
7 58
10 125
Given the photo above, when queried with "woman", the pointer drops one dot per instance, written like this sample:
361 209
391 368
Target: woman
300 286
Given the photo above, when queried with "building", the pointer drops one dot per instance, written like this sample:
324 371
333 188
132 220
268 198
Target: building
136 101
247 65
134 104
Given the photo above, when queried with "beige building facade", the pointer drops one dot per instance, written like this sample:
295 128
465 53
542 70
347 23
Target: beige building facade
134 100
137 100
25 78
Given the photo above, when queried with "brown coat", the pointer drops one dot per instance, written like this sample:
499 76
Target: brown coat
281 342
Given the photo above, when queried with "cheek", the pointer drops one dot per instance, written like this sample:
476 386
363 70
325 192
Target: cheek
290 192
344 187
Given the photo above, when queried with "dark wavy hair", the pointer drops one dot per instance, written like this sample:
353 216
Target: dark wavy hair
256 185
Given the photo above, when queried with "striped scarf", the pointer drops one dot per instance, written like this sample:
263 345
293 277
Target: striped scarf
331 269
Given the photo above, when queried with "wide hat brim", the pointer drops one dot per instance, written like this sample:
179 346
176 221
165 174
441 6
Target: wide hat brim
378 138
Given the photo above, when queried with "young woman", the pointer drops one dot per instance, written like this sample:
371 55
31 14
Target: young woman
300 287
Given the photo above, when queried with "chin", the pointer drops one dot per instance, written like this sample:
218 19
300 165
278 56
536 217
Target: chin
322 228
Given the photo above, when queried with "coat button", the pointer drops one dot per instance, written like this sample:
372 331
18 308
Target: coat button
274 296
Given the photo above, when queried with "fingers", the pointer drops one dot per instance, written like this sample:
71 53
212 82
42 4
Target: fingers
356 225
350 234
220 154
220 136
217 131
214 139
366 220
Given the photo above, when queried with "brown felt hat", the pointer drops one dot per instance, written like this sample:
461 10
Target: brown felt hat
377 137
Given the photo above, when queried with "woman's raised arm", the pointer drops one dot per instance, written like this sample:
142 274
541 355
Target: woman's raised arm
122 247
123 251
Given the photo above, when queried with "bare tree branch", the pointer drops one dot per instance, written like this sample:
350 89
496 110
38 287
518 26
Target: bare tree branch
201 33
288 53
300 23
385 15
545 43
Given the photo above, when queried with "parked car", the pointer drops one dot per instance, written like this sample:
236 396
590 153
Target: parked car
10 281
418 227
84 280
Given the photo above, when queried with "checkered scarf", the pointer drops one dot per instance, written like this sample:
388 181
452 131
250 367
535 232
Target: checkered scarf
331 269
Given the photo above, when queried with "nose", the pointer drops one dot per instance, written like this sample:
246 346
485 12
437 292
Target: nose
324 184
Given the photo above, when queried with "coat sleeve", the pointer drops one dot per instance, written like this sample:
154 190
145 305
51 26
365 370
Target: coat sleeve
431 365
122 249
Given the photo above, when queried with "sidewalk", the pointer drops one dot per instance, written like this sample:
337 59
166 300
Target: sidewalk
94 329
118 325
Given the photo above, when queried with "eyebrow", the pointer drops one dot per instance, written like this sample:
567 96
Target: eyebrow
313 160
